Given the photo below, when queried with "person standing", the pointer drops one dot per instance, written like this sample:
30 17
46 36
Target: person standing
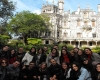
4 52
52 55
93 57
12 56
29 56
65 57
41 56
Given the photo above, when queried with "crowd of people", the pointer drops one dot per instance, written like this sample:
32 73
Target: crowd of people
42 64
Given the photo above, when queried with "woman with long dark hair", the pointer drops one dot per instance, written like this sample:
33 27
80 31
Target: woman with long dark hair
29 56
12 56
79 73
64 56
41 56
65 69
96 72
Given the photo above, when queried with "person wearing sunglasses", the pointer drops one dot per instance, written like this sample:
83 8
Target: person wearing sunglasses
3 70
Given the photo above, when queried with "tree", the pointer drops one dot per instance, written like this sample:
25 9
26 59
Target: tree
26 23
3 39
6 10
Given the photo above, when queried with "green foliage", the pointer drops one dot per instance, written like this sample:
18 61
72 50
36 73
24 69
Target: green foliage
69 47
83 47
4 39
6 10
96 49
26 21
3 30
34 41
16 43
26 24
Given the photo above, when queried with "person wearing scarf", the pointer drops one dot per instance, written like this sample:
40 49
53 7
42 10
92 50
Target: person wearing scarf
93 57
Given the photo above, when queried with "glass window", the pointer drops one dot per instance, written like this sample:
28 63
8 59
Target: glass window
46 42
94 35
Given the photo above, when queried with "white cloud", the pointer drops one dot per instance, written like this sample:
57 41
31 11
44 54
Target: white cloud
38 11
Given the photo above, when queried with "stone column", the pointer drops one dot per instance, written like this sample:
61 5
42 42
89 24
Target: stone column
79 44
87 43
96 43
70 43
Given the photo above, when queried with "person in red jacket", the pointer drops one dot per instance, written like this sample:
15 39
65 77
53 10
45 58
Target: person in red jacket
12 56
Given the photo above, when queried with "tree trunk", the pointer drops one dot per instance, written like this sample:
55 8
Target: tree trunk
25 39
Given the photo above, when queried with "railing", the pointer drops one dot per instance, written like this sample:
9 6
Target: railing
73 38
80 39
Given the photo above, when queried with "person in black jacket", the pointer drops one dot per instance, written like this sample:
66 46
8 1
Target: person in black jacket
54 70
3 70
29 72
4 52
43 71
30 56
87 64
65 57
96 72
41 56
65 69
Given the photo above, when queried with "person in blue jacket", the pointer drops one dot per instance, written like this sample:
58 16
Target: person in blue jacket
79 73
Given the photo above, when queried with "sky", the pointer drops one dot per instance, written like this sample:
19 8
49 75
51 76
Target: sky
72 5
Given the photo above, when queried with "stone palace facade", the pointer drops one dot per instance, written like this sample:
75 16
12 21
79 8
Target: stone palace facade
79 28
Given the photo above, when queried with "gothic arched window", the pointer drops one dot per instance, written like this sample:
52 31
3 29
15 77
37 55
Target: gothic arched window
65 34
93 23
64 23
79 35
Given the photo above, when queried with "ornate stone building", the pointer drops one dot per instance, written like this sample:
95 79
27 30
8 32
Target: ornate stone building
79 28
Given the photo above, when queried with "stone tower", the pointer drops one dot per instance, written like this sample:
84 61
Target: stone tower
99 8
61 6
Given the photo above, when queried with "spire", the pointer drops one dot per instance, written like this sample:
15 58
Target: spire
78 6
78 10
88 6
47 2
53 2
43 4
